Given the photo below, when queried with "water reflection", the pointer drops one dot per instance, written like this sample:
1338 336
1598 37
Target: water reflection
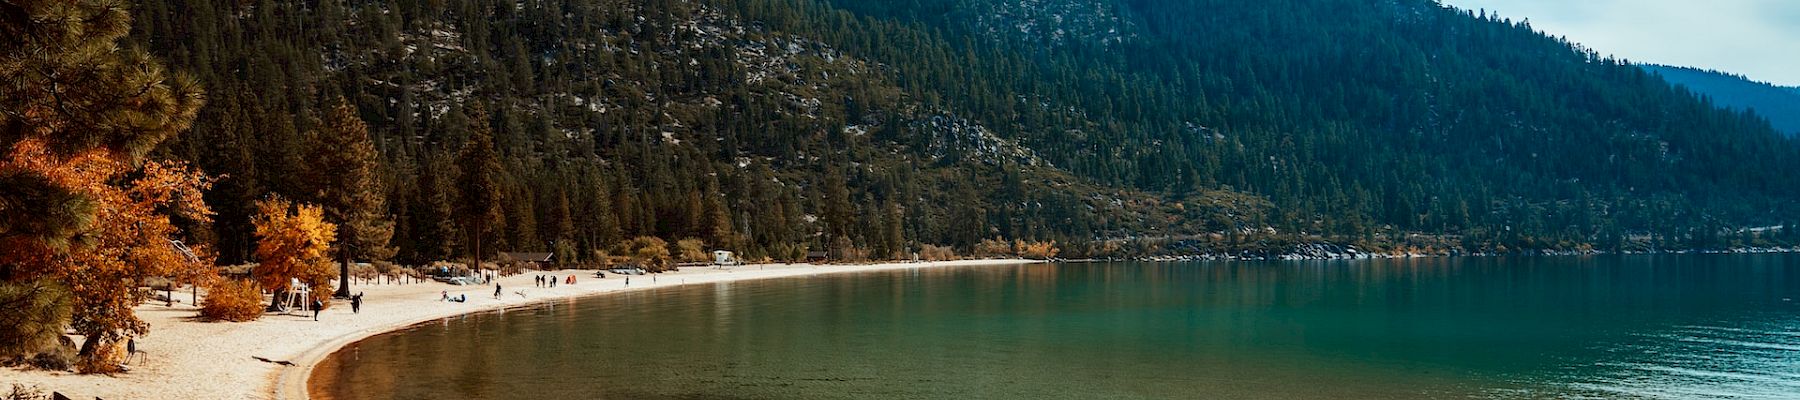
1606 327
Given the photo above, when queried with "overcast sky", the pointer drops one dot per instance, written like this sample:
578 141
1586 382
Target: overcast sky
1755 38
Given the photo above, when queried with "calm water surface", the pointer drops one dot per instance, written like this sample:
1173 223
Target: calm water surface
1677 327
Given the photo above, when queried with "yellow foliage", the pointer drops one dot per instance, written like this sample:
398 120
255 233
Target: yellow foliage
1038 250
649 251
993 248
232 300
937 253
693 250
293 242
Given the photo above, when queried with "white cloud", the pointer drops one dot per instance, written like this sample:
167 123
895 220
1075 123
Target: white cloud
1755 38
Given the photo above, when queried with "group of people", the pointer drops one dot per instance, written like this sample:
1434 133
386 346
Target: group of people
550 280
542 281
355 304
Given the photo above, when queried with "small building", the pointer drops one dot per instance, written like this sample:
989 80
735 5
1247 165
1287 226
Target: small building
724 257
814 256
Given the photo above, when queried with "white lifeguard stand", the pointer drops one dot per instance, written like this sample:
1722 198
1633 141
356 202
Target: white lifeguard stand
723 258
297 291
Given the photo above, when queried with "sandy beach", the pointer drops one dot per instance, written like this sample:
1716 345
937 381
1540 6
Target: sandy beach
189 359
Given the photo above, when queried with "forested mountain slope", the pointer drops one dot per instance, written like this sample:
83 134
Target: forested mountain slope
1781 105
877 127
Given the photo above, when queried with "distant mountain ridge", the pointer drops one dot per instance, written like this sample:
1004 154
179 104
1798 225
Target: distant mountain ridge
1779 104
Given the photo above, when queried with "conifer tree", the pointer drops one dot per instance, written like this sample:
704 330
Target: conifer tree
434 215
66 85
346 174
558 224
478 184
840 215
521 220
78 201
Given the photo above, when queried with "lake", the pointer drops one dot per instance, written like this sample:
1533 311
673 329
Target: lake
1687 326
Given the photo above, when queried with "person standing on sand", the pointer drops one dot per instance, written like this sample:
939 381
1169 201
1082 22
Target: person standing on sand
316 305
496 290
446 294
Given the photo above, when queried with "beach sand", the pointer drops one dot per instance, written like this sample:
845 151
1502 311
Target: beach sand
190 359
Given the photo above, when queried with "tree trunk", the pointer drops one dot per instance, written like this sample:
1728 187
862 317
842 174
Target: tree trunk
89 345
276 300
343 291
477 247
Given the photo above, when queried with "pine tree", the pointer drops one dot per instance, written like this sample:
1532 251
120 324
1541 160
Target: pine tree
434 215
346 172
521 220
65 85
558 224
599 223
478 185
840 215
78 202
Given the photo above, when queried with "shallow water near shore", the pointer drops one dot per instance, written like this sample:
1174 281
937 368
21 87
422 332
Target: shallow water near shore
1689 326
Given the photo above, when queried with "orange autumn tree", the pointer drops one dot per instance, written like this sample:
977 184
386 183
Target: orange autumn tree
293 243
81 207
126 241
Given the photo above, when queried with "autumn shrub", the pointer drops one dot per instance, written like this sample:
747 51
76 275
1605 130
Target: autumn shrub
650 252
232 300
990 248
1037 250
692 250
937 253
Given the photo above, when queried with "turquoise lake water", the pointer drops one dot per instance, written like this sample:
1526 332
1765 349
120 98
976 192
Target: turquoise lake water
1676 327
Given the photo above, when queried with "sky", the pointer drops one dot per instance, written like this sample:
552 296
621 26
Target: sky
1759 39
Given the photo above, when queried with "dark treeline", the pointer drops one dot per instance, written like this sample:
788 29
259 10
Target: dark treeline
872 129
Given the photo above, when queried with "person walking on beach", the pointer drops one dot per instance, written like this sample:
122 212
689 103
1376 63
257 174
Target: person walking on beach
356 304
446 294
316 305
496 290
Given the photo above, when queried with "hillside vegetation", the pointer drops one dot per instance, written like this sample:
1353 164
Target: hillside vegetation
876 128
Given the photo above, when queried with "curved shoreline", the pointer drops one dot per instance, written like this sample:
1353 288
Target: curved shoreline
294 383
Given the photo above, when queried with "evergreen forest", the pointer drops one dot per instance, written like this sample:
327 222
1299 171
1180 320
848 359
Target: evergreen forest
874 128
